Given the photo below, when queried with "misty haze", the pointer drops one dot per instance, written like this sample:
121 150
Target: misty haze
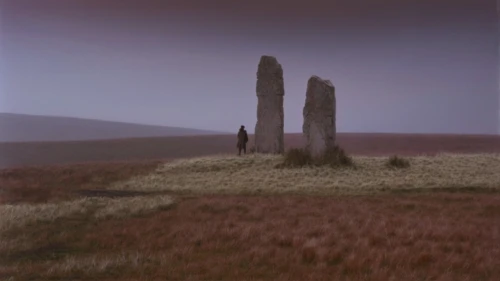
397 66
249 140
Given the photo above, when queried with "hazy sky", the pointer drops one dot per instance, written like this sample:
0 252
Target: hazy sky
397 65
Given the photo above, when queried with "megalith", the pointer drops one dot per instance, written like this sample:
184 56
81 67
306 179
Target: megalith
319 114
269 130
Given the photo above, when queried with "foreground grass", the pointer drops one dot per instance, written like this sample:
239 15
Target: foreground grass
20 215
256 174
58 183
396 236
379 237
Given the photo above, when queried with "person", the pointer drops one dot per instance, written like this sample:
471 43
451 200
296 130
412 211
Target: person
242 140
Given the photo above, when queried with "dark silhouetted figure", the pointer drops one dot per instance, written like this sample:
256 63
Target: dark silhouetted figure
242 140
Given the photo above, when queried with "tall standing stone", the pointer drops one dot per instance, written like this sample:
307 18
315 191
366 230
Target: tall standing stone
269 130
319 114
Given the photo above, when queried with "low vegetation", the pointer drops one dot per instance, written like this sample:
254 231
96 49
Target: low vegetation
398 162
335 157
20 215
296 157
47 184
300 157
383 237
219 234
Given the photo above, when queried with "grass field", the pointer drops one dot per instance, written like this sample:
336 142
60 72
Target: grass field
241 218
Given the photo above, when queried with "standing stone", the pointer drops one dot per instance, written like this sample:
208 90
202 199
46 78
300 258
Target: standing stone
269 130
319 127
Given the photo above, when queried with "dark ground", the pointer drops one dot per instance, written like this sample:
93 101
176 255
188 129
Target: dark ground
164 148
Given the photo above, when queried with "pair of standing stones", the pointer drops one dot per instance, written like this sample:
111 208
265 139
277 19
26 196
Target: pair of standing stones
319 111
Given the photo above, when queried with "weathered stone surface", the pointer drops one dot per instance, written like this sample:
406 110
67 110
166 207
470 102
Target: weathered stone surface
319 114
269 130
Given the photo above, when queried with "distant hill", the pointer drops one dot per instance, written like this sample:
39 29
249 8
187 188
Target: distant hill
28 128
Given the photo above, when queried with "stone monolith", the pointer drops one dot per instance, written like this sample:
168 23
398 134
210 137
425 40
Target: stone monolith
319 114
269 130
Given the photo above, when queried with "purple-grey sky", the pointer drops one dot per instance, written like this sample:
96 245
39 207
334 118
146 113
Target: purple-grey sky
422 66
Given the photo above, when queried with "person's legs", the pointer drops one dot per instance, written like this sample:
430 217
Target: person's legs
239 149
245 148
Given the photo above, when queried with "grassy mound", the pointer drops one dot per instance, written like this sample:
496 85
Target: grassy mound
256 174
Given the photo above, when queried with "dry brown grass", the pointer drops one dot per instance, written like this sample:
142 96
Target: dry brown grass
380 237
256 174
99 264
60 183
